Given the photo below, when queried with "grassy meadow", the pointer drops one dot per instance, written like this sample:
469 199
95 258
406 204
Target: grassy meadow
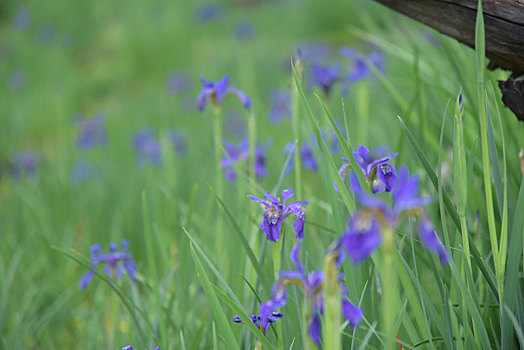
108 136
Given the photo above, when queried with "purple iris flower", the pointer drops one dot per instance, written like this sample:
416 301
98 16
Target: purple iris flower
91 132
82 171
275 212
24 163
147 148
215 92
378 171
275 316
280 105
364 234
178 82
240 154
18 79
208 13
245 31
325 76
178 141
46 33
115 262
311 284
306 156
129 347
22 19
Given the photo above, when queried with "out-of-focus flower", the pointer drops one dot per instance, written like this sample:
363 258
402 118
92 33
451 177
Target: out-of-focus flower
82 170
208 12
280 105
312 285
46 33
22 19
306 156
315 52
275 316
147 148
24 163
240 154
178 141
115 262
245 31
18 79
235 123
360 66
214 92
378 171
178 82
275 212
367 225
91 132
326 76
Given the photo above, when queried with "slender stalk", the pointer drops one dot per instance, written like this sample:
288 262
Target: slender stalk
332 305
219 181
278 247
295 120
390 299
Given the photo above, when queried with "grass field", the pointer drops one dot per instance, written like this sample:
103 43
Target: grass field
102 142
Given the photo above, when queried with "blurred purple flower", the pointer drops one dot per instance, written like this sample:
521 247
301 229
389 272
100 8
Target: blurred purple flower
147 148
115 262
214 92
18 79
82 170
46 33
280 105
315 52
178 141
22 19
275 212
24 163
91 132
240 154
235 125
129 347
312 285
326 76
208 12
178 82
275 316
306 156
360 66
245 31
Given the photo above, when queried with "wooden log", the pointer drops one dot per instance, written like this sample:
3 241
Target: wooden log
504 34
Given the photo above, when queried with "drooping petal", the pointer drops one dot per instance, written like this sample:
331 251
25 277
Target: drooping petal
363 236
286 194
130 267
298 226
352 313
295 257
431 241
86 279
258 200
405 194
314 328
271 225
244 99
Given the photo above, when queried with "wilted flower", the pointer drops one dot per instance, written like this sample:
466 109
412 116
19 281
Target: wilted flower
312 285
18 79
275 212
22 19
280 105
115 262
147 148
82 170
178 141
91 132
240 154
379 172
325 76
208 12
178 82
214 92
368 224
245 31
24 162
275 316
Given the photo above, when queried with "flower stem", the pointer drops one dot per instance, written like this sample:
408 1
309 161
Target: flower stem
332 305
390 299
295 120
219 181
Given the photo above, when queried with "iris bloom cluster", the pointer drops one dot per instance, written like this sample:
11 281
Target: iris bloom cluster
378 171
312 285
115 262
91 132
215 92
367 225
275 316
275 212
240 153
